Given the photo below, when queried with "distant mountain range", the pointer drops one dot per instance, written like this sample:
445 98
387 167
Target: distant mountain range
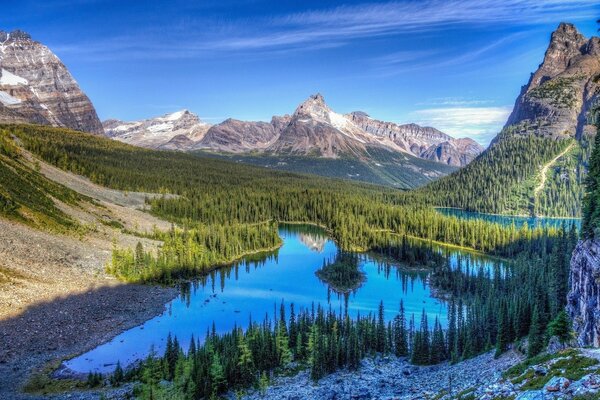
537 164
35 87
312 130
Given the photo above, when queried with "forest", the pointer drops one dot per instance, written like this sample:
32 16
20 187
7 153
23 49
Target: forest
223 211
502 179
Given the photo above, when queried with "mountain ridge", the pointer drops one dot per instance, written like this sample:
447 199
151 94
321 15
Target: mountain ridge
36 87
550 122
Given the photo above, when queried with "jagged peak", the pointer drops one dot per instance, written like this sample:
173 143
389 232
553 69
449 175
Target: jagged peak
566 31
313 107
15 35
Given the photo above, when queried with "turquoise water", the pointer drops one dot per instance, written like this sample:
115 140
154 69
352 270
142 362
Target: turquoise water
252 289
510 219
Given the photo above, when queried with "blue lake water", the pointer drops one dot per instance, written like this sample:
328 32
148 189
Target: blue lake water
510 219
252 289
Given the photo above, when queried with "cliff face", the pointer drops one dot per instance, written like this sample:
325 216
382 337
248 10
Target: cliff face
36 87
584 298
555 101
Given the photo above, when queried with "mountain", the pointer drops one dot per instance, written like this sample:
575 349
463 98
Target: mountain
36 87
237 136
314 139
537 163
312 130
423 142
175 131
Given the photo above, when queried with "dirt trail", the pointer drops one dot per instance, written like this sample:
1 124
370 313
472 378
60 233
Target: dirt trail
544 170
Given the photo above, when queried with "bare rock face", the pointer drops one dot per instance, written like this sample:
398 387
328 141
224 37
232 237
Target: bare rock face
316 130
423 142
584 298
313 130
36 87
175 131
559 94
457 152
237 136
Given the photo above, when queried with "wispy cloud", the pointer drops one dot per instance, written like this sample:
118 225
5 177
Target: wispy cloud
333 27
479 123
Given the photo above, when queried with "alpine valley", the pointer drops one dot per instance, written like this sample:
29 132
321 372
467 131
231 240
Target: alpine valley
319 255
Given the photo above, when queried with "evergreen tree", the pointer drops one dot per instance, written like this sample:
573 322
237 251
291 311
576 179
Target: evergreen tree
536 337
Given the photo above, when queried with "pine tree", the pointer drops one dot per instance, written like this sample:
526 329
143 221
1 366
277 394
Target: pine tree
591 199
560 327
536 337
503 338
217 375
380 340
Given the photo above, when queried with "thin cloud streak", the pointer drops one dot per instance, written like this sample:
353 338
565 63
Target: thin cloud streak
334 27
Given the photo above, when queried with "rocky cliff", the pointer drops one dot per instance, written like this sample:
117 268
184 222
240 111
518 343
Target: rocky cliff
423 142
36 87
584 298
558 96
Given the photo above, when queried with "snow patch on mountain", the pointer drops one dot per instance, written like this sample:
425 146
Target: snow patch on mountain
8 78
7 99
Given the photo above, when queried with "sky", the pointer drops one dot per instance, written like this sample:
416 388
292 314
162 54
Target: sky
454 65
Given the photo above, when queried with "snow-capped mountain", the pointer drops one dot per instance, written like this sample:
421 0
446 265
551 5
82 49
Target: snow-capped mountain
36 87
175 131
314 129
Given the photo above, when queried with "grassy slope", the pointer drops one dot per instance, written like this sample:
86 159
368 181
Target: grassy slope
383 167
26 195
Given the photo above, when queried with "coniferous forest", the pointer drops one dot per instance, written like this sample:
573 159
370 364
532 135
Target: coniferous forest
221 212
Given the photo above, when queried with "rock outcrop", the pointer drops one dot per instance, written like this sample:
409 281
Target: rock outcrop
558 96
175 131
584 298
423 142
237 136
36 87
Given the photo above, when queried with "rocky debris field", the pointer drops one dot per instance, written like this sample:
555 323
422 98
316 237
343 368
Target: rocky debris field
390 378
565 375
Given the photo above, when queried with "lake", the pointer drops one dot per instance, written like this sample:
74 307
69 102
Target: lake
254 288
510 219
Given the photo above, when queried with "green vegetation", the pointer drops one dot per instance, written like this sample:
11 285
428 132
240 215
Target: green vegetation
317 339
192 252
26 195
223 211
502 180
591 200
342 274
383 167
511 302
213 193
560 92
568 363
564 187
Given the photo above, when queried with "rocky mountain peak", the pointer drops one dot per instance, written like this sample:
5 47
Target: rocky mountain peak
15 35
314 106
565 43
36 87
555 101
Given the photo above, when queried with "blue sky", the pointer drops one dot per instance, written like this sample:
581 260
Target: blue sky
455 65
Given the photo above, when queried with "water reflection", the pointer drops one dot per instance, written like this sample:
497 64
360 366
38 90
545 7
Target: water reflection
254 288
